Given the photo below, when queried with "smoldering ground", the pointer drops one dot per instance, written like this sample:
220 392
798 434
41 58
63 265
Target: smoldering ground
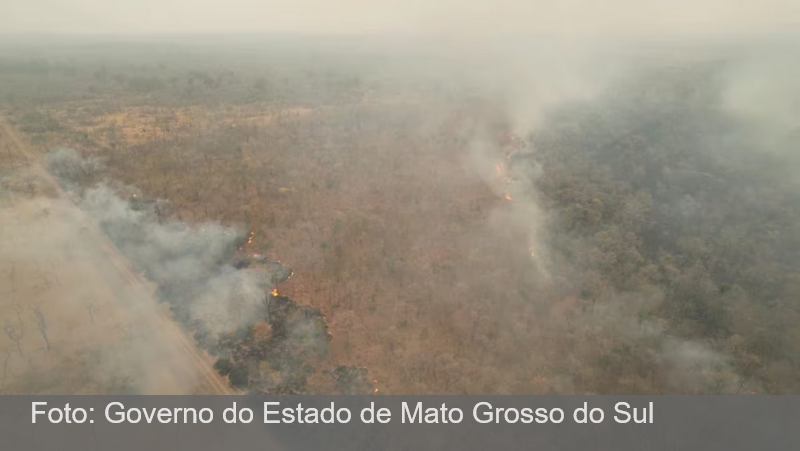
614 156
74 324
189 263
604 261
637 232
216 297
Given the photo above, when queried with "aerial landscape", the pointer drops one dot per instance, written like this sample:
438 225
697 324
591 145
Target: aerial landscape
388 213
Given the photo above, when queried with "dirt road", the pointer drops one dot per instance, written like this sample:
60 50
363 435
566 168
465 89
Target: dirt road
75 317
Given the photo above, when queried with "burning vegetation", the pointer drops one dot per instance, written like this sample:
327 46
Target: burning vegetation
641 239
225 295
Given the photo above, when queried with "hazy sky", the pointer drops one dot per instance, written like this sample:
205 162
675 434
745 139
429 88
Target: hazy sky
463 17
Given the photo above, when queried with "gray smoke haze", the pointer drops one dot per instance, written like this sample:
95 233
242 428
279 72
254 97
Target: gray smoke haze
570 80
192 266
71 323
194 258
762 93
742 107
479 19
194 261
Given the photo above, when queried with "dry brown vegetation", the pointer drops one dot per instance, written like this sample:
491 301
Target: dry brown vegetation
586 283
383 253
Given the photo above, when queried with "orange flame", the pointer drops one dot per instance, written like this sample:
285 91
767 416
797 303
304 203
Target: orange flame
509 197
250 240
274 292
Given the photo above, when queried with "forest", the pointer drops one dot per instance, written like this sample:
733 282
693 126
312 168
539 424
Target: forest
337 219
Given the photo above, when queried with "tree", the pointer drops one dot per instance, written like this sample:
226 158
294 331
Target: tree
42 323
346 321
15 334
